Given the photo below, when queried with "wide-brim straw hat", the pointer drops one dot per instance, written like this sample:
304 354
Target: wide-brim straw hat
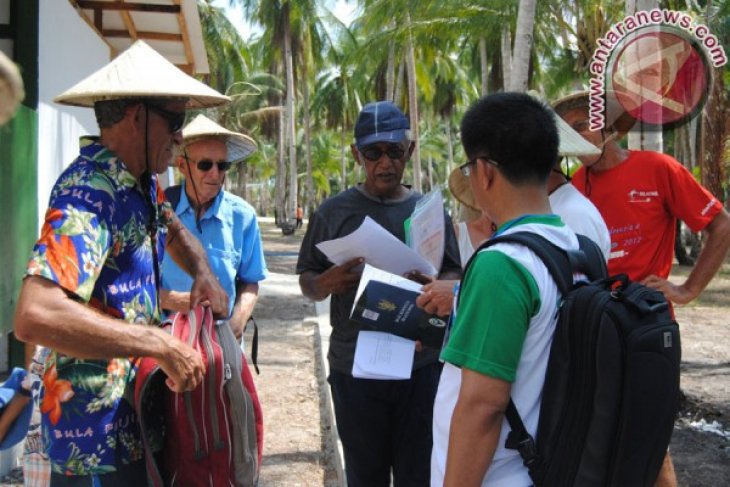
571 144
141 72
239 146
11 88
616 117
460 187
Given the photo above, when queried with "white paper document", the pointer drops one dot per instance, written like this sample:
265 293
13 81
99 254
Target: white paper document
383 356
378 247
427 228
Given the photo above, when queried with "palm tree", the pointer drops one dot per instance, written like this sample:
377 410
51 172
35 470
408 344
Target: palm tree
228 55
523 46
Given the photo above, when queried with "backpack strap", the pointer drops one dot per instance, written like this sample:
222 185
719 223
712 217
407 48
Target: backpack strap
172 193
521 440
560 263
255 345
595 262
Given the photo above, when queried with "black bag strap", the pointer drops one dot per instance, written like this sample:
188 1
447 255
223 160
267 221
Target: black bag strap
561 264
172 194
521 440
255 345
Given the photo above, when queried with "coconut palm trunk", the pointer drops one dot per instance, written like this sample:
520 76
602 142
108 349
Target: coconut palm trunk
523 46
290 116
280 189
413 106
483 64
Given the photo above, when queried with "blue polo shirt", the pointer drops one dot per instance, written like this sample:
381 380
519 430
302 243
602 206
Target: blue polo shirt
231 238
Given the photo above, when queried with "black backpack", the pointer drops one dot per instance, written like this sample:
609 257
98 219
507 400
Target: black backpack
611 391
172 193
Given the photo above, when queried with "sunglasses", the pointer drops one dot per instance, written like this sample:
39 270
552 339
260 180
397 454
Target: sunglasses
466 167
374 153
175 120
206 165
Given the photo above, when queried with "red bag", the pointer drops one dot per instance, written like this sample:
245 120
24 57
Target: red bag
213 435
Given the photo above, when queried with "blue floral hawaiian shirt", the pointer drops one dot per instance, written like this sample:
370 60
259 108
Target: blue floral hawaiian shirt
96 244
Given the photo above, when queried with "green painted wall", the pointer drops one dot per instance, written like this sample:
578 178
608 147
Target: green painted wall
18 200
19 172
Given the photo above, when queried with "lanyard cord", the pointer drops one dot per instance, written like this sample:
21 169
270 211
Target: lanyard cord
150 200
196 206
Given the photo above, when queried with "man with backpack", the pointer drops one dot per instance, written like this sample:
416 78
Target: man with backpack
224 223
507 305
499 342
640 195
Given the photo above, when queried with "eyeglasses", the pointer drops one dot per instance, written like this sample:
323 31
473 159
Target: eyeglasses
374 153
581 126
175 120
466 167
206 165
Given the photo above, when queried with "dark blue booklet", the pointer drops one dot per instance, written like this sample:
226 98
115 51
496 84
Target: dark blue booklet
392 309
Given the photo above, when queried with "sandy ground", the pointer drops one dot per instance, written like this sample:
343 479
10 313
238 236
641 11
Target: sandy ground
703 458
298 447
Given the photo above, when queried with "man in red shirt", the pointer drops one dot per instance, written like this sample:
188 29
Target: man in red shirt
640 195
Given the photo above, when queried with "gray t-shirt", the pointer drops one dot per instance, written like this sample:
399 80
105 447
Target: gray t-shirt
339 216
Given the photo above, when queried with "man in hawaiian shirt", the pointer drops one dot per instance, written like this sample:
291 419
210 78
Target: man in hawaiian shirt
224 223
91 284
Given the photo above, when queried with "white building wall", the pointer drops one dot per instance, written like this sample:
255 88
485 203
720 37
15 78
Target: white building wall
69 50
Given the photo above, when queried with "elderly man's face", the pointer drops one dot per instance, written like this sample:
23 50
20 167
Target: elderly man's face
164 132
384 164
206 167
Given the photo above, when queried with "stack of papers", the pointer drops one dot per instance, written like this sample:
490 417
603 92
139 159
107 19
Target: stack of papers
426 235
378 247
383 356
386 302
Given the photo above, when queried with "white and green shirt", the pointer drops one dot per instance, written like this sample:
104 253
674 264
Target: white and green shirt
504 327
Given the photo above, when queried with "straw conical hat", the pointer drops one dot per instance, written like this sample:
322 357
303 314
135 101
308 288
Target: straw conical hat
460 187
140 71
239 146
616 116
11 88
572 143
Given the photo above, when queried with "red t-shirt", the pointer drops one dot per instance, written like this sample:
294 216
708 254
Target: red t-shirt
640 201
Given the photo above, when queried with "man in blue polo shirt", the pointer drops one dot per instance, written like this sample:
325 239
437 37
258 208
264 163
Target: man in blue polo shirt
224 223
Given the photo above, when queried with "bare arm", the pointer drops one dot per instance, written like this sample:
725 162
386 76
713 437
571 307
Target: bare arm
187 253
709 261
247 293
46 315
11 412
175 300
475 428
335 280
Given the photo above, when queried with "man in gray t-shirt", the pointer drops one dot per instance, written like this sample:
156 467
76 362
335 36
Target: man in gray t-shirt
383 425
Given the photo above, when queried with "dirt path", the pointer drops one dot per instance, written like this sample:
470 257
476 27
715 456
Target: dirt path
702 458
297 447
